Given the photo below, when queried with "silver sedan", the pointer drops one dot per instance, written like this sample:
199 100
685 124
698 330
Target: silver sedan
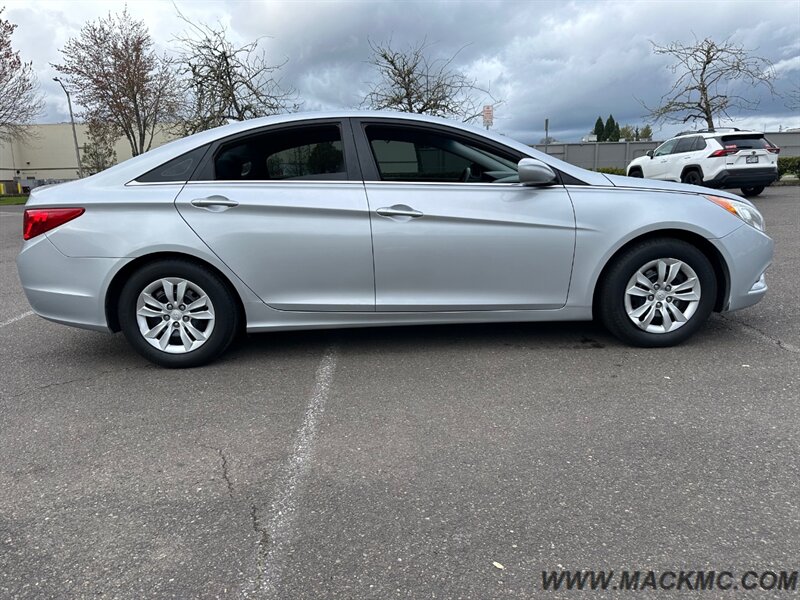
350 219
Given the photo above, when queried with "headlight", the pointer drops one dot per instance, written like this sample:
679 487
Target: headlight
744 211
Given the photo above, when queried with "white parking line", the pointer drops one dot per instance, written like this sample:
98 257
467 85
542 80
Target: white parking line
15 319
278 533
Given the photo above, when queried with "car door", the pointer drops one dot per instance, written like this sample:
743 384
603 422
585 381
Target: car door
285 209
659 166
452 228
681 156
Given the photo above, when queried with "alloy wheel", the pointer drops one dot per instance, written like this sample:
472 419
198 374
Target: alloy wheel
175 315
662 295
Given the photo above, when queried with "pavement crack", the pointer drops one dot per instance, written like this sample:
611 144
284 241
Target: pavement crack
754 331
56 384
225 473
262 549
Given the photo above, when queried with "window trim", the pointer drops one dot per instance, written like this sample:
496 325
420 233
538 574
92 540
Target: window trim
205 171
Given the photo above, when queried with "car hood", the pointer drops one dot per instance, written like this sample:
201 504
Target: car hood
667 186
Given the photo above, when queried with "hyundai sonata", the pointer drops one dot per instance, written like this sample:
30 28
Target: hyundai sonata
350 219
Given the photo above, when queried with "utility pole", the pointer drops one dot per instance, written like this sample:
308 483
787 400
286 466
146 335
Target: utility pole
72 120
546 134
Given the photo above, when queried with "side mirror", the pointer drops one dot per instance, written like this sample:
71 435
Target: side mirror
535 172
650 153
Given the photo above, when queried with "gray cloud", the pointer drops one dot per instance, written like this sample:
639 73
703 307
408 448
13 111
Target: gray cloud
569 62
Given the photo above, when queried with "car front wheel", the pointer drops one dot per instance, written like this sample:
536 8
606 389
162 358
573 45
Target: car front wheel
177 314
657 293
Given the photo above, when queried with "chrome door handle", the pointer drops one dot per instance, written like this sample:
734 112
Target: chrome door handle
214 201
399 210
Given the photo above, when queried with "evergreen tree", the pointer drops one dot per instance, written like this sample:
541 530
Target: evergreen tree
616 133
646 134
600 130
610 129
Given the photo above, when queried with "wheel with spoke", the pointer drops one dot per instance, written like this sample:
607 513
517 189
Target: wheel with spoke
657 293
177 313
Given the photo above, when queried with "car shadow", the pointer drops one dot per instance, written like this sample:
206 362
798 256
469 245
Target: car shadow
567 335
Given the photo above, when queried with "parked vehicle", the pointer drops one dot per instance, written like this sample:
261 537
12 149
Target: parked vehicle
350 219
716 158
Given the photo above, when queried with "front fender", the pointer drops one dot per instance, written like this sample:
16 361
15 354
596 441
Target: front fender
607 219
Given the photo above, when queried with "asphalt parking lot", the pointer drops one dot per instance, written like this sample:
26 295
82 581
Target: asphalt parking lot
400 462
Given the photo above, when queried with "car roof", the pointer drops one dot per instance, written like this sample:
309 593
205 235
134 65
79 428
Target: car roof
709 133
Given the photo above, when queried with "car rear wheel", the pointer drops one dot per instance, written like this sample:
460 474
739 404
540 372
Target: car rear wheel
752 191
657 293
177 314
692 177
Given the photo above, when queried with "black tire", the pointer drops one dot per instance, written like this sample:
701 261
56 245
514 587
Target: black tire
752 191
636 173
226 313
612 291
692 177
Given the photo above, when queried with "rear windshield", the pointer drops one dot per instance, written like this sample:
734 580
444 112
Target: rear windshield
744 142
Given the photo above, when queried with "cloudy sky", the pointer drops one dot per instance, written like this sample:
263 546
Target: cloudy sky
567 61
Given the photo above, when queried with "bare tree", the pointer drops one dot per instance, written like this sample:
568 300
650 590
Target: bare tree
224 82
20 100
411 81
792 97
99 154
118 78
708 76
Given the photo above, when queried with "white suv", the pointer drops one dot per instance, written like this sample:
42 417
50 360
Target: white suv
717 158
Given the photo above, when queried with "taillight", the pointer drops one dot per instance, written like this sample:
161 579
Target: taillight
723 152
770 147
36 221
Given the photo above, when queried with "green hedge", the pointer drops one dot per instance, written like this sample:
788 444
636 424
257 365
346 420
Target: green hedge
789 165
611 171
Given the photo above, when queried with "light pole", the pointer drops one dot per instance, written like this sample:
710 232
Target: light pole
72 120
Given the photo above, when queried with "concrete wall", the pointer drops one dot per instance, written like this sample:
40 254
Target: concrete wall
49 153
593 155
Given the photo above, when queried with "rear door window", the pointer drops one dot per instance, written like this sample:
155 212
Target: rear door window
683 145
298 153
698 144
